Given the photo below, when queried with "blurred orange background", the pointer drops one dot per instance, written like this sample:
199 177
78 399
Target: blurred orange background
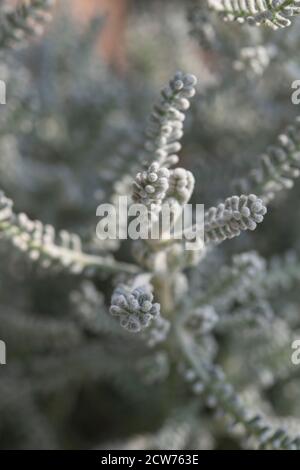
113 38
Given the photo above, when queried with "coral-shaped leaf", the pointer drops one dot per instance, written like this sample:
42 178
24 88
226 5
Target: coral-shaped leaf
165 128
151 186
42 244
135 308
237 214
272 13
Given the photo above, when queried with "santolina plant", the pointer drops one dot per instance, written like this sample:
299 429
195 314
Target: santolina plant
195 347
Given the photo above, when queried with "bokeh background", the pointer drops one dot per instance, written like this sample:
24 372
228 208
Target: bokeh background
78 98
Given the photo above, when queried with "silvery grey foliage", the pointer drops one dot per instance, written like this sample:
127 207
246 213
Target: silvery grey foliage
158 332
90 312
279 166
26 20
41 243
164 132
165 128
235 215
70 137
221 392
135 308
151 186
202 320
254 59
30 334
274 13
234 282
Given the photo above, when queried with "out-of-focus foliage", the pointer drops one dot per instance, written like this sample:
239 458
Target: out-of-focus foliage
211 367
